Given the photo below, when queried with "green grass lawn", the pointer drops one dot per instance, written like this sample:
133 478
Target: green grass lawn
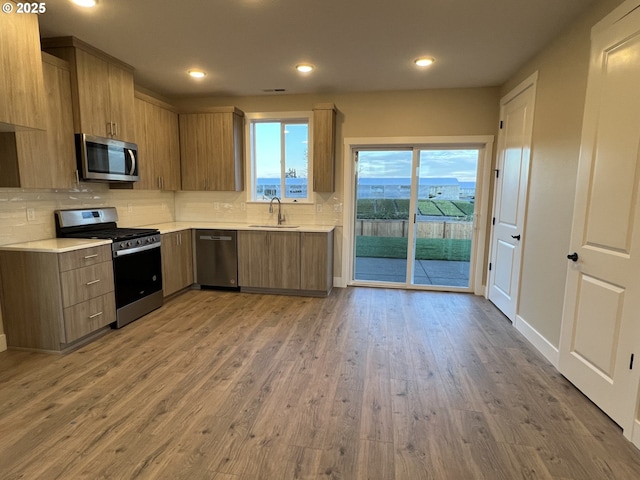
426 248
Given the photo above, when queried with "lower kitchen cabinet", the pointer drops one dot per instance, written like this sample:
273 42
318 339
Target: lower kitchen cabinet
285 262
52 300
316 261
177 261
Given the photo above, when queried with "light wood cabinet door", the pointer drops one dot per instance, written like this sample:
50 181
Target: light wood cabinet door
44 159
269 260
93 110
157 137
211 150
102 89
324 147
316 261
177 261
121 107
81 284
22 101
83 318
193 151
253 259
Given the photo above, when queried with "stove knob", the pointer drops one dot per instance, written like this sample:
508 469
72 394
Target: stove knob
139 242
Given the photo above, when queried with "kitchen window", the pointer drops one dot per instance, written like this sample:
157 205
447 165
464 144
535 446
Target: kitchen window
280 157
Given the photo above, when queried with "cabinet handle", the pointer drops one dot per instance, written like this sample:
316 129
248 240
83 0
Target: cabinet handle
95 315
77 177
115 129
92 282
108 129
87 257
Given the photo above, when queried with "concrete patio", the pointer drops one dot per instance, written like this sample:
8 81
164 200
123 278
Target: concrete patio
427 272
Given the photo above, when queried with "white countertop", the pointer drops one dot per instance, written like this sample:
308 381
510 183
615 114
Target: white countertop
61 245
178 226
55 245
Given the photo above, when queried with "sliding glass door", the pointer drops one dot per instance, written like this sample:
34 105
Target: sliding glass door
415 204
383 188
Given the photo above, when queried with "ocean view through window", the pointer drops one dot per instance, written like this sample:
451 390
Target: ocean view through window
280 161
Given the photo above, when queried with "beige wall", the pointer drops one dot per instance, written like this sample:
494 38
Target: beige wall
561 89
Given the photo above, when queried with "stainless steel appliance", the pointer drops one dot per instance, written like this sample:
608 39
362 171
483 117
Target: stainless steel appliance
106 160
137 264
216 258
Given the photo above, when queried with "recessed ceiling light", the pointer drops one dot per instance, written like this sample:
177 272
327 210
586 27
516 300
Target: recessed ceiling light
197 73
85 3
304 67
424 61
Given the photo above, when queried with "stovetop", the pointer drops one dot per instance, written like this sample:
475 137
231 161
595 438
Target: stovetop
96 223
115 234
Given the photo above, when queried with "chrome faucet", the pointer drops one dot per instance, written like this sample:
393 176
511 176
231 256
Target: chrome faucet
280 217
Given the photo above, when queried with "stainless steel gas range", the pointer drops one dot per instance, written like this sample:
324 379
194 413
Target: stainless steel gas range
137 263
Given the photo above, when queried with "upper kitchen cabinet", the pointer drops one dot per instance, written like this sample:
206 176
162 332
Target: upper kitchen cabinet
102 88
44 159
21 82
157 136
211 150
324 147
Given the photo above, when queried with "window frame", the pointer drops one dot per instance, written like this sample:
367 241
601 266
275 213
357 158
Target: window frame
283 117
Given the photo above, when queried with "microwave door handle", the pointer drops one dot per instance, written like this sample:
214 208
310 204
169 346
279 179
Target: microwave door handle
133 161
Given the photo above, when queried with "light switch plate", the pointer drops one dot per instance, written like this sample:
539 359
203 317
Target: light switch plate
31 214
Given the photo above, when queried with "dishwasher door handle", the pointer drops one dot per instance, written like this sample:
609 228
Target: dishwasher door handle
217 238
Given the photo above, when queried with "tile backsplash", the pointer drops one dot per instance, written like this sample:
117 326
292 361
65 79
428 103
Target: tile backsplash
233 207
27 215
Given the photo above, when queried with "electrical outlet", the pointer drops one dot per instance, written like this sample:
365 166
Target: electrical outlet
216 205
337 208
129 208
318 208
31 214
243 206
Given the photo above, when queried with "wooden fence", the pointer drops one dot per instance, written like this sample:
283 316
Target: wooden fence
400 228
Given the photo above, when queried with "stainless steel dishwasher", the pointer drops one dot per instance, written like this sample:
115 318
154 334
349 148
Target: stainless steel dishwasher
216 258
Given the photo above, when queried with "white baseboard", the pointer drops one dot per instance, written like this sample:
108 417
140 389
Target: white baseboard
339 282
635 435
543 345
3 342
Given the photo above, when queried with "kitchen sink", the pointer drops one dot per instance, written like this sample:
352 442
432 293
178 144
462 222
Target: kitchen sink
273 226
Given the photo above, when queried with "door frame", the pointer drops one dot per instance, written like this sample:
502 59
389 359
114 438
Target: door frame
530 82
484 143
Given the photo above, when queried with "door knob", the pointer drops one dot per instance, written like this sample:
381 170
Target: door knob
573 256
517 237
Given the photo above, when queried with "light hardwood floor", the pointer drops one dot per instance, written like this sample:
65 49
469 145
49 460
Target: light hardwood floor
364 384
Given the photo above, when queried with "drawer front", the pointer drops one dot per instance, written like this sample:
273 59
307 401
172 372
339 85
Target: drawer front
86 317
84 257
81 284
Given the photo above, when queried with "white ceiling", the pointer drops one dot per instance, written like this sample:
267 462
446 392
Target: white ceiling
247 46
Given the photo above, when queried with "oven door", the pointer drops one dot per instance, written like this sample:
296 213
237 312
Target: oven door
138 275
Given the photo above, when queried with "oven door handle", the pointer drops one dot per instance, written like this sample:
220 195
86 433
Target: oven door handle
130 251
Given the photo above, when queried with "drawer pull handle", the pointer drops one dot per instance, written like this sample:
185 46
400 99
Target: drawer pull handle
95 315
87 257
92 282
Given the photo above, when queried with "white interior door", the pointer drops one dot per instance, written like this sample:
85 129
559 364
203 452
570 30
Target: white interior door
514 149
602 299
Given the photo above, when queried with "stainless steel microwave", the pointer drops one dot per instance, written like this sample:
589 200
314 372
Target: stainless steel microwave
106 160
